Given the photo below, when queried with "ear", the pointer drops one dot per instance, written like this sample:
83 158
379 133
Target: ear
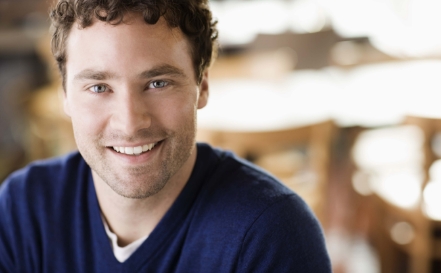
203 91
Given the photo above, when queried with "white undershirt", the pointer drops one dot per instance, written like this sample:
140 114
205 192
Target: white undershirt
121 253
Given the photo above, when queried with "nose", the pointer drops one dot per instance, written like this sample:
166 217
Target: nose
130 113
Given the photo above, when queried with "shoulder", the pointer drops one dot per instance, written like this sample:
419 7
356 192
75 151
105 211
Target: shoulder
238 189
51 166
34 204
41 177
243 183
277 231
286 237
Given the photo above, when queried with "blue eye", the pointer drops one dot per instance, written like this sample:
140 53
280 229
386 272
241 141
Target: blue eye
158 84
98 88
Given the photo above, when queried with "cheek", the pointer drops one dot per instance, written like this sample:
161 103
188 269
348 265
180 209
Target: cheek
87 119
176 110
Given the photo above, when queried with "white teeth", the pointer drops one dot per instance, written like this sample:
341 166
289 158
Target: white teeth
134 150
145 147
128 150
137 150
151 146
148 147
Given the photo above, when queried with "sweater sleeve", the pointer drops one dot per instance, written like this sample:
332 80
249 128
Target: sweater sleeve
286 237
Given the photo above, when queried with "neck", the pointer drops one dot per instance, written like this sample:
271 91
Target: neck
131 219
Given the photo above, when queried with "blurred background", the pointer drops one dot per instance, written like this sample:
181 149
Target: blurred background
337 98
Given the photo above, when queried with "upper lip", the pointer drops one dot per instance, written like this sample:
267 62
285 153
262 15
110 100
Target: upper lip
132 145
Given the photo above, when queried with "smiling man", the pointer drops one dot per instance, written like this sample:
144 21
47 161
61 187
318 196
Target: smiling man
140 195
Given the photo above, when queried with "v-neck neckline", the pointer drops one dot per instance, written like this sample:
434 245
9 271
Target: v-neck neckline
172 219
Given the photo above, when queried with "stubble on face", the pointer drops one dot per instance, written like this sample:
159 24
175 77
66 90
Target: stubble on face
141 181
96 119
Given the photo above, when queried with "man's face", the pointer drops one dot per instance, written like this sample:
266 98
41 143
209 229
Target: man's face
129 88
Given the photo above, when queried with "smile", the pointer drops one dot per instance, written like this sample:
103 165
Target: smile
135 150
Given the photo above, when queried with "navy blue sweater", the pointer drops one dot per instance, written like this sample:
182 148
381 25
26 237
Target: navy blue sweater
230 217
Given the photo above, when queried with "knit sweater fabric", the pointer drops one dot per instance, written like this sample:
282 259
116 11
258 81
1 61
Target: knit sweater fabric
231 216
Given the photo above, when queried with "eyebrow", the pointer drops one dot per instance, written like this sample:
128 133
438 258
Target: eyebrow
91 74
162 70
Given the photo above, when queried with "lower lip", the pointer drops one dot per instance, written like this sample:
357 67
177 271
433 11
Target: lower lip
137 159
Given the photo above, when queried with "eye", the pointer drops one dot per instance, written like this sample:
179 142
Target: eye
98 88
158 84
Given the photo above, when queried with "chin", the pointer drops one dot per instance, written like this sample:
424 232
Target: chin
136 188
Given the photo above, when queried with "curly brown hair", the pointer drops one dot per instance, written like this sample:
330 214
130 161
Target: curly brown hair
193 17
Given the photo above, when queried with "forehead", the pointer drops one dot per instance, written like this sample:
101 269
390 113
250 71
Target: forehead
132 45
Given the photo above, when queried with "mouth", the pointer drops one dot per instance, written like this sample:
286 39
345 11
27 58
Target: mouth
136 150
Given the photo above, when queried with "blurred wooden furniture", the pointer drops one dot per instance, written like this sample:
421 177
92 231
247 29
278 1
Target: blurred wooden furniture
256 110
414 253
431 128
50 129
267 64
406 238
299 157
13 11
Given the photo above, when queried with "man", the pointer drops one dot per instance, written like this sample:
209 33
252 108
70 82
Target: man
141 196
